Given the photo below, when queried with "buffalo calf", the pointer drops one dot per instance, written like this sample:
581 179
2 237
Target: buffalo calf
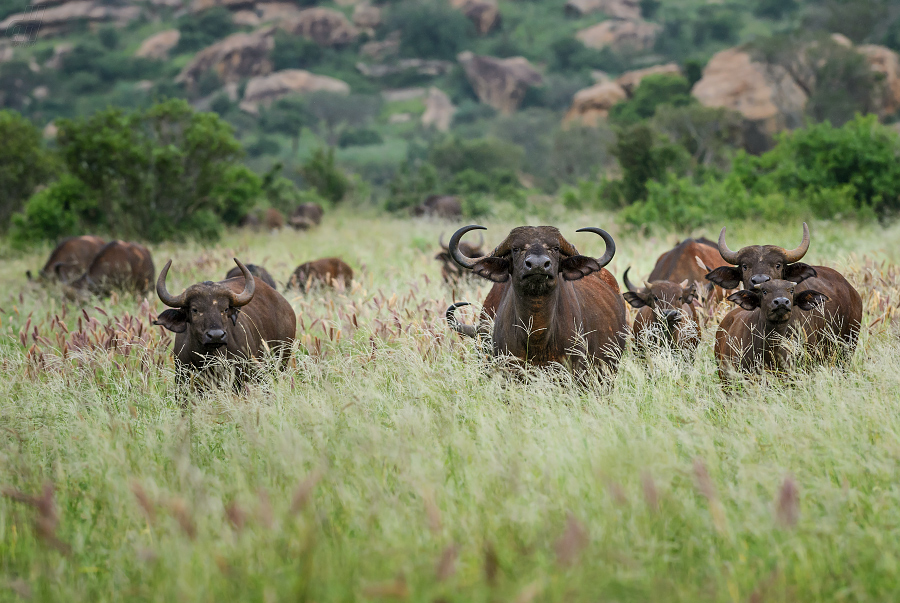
666 314
755 336
325 271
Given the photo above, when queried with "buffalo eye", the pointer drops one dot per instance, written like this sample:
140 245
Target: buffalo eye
194 311
745 267
778 266
556 249
516 250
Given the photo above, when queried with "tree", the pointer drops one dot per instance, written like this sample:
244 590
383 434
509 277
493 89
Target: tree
286 116
653 91
643 157
24 163
429 29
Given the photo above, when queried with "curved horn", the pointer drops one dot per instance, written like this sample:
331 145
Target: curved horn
728 255
610 244
456 254
794 255
243 298
441 242
628 284
462 329
173 301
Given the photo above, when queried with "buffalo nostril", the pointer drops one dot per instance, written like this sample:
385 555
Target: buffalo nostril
782 302
547 265
528 264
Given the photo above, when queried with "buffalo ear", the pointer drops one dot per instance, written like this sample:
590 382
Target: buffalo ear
726 277
748 300
635 300
174 320
798 272
233 314
689 294
444 257
493 269
809 299
577 267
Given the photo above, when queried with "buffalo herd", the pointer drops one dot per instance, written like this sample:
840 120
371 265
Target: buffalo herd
548 305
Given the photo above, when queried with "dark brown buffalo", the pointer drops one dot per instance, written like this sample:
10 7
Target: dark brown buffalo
754 336
439 206
236 319
684 262
257 271
544 309
451 272
273 219
118 266
757 264
70 259
325 271
666 315
306 215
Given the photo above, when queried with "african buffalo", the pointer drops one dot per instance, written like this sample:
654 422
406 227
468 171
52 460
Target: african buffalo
544 309
683 262
451 272
754 336
439 206
70 259
237 319
324 271
757 264
118 266
306 215
257 271
666 314
273 219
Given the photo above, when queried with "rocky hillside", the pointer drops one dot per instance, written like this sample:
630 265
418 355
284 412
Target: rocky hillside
388 83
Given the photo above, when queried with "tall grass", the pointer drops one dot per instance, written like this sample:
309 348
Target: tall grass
393 461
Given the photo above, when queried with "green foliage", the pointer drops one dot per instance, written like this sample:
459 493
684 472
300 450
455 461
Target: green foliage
358 137
17 80
285 116
331 113
429 29
775 9
654 91
203 29
108 37
321 173
156 174
24 163
60 210
568 54
710 135
819 171
412 183
643 157
208 83
686 30
262 145
485 155
294 52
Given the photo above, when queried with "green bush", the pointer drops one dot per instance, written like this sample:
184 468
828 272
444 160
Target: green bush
24 163
162 173
654 91
485 155
59 210
429 29
321 173
412 183
358 137
643 157
294 52
201 30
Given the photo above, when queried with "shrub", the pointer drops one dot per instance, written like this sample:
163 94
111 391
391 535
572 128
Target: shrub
429 29
321 173
710 135
294 52
156 174
59 210
17 80
24 163
201 30
263 145
484 155
643 157
654 91
359 137
330 112
412 183
108 37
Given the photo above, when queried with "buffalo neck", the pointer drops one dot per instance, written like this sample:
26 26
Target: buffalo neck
533 324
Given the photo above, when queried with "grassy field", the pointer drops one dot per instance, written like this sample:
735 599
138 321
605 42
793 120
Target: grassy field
393 462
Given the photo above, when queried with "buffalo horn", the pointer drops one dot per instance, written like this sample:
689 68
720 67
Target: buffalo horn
170 300
610 244
794 255
627 282
458 257
243 298
728 255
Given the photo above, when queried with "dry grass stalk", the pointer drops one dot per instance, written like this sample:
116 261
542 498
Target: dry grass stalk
446 565
432 512
651 495
304 491
787 508
144 501
491 564
708 490
573 540
47 520
395 589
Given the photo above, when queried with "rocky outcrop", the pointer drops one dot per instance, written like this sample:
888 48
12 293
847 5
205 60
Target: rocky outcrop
158 45
380 50
439 110
276 11
238 56
591 106
60 52
265 89
617 9
620 35
885 61
430 68
246 18
61 19
765 95
632 79
500 83
483 13
323 26
367 17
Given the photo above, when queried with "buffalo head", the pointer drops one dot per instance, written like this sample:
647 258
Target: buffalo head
204 308
534 257
756 264
776 298
665 298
